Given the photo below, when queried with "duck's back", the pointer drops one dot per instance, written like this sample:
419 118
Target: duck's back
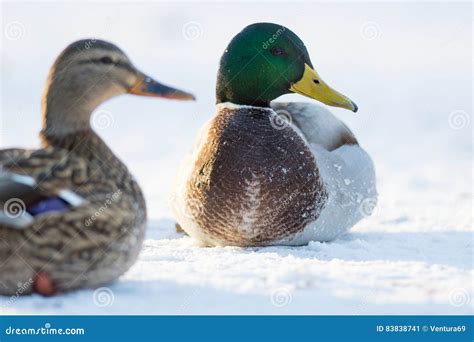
250 181
317 124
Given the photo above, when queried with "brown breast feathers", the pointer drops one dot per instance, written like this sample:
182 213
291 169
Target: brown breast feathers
256 182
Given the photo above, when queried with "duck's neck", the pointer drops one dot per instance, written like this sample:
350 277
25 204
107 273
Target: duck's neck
74 135
222 98
66 121
65 113
231 90
85 143
232 106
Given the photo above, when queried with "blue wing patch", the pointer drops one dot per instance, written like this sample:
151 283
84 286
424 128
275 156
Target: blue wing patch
21 201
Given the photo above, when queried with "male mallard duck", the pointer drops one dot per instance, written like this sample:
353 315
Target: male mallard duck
71 214
253 180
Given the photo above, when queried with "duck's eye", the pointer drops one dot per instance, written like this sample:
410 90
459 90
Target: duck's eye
106 60
277 51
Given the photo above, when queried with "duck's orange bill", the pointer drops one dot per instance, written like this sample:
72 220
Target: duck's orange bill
147 86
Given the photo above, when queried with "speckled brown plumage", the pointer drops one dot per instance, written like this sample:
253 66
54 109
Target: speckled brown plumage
63 246
72 252
252 184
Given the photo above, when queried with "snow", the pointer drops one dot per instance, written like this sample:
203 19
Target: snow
412 82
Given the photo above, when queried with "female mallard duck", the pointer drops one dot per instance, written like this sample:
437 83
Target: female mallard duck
266 173
72 215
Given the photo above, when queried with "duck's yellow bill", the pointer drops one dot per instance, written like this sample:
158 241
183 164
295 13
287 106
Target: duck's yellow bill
312 85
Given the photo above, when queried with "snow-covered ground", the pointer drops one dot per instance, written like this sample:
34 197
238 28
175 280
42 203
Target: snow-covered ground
407 66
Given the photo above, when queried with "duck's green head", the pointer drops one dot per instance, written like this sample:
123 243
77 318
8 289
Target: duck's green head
265 61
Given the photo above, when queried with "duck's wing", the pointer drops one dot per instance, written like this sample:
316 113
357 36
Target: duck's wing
344 165
346 168
187 162
37 182
317 124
